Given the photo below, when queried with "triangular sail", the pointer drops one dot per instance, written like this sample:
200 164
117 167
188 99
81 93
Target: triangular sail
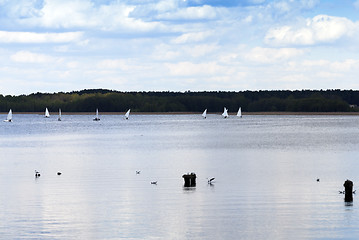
127 115
225 113
59 114
204 114
239 113
9 117
47 114
96 118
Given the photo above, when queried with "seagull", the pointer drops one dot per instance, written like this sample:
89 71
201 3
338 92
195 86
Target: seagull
37 174
59 173
341 192
138 172
154 182
210 180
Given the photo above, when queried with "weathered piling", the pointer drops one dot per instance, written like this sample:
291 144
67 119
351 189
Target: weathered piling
348 185
189 179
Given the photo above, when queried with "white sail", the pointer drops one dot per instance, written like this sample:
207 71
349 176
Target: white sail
239 113
225 113
127 115
204 114
47 114
59 119
96 118
9 117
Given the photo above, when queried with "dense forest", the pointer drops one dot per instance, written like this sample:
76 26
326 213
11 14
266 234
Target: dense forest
214 101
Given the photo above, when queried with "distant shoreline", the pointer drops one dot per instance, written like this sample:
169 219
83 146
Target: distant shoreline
193 113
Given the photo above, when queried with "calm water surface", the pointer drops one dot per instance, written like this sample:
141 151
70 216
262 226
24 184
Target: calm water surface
265 168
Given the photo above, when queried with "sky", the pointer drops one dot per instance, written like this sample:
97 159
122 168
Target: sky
178 45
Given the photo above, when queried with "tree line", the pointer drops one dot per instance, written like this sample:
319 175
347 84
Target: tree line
250 101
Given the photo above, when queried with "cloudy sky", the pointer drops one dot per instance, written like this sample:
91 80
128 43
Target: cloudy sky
178 45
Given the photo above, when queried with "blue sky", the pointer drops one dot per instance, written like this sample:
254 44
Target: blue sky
178 45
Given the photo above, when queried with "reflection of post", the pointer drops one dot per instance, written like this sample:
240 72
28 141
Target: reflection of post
348 185
189 179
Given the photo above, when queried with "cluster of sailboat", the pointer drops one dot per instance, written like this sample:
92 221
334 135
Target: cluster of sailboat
127 114
224 114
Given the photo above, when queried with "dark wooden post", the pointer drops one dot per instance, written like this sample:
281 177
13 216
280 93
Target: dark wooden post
189 179
348 185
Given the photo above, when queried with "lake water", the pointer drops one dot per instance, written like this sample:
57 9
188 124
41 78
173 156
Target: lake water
265 170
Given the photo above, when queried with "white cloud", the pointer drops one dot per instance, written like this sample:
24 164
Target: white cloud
320 29
346 65
191 13
194 69
115 80
315 63
200 50
192 37
65 13
282 6
69 14
31 37
166 5
177 45
113 64
272 55
309 4
165 52
29 57
73 65
20 8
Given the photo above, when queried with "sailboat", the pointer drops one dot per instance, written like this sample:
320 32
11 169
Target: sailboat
59 119
225 113
47 114
127 115
96 118
239 113
204 114
9 117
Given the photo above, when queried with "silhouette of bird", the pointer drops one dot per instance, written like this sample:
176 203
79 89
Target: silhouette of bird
318 179
341 192
354 191
154 182
138 172
37 174
59 173
210 180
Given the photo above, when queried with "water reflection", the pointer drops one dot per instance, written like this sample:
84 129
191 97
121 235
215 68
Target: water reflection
267 166
189 189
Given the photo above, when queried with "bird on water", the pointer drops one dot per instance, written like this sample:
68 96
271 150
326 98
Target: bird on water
210 180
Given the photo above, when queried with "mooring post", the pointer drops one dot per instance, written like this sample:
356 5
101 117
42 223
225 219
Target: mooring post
189 179
348 185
